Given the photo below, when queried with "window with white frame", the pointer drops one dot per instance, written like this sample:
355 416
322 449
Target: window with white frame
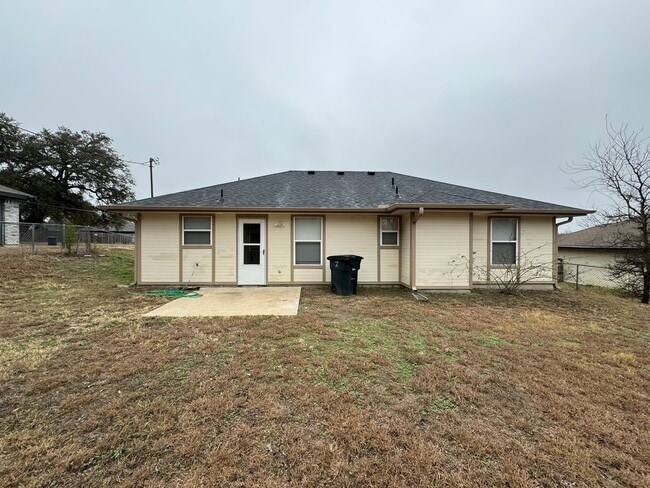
197 231
389 231
504 241
308 240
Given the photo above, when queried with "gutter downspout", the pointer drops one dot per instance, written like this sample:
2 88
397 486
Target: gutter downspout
414 221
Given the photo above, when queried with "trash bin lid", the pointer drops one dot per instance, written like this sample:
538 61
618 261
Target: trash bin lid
345 257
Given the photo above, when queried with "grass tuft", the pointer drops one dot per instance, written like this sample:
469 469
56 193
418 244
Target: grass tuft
493 340
442 404
406 369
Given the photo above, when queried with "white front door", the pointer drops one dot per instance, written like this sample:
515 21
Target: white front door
251 263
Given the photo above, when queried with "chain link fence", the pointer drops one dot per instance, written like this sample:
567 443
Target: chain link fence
589 275
37 236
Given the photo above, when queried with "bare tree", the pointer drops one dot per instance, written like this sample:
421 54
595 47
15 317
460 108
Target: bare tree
619 167
510 276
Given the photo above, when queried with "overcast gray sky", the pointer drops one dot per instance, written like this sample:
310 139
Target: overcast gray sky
497 95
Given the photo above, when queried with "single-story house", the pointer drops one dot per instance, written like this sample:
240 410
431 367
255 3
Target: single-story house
599 245
279 229
10 200
595 249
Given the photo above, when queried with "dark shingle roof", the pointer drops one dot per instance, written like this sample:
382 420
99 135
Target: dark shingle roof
338 190
8 192
619 235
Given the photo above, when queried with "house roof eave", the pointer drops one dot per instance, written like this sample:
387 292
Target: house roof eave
185 209
389 209
501 209
17 196
598 248
445 207
564 212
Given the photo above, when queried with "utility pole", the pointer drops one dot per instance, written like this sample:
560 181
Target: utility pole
152 161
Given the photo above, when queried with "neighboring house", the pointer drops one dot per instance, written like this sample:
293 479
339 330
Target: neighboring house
596 246
595 249
120 234
279 229
10 200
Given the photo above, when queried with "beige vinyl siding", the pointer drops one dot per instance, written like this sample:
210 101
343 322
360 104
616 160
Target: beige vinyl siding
353 234
405 244
594 269
308 275
480 246
442 250
389 262
225 240
197 265
160 248
278 248
536 246
592 257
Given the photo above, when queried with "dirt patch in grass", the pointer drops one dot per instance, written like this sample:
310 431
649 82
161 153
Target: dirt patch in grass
548 389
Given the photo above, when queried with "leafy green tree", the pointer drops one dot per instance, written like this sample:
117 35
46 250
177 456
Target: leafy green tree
69 173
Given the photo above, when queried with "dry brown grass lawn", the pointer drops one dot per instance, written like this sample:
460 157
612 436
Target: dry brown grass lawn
548 389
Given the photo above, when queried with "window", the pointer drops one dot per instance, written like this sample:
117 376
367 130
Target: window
252 243
504 241
307 235
197 231
389 231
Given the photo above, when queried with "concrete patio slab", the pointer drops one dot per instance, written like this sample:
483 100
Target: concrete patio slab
231 302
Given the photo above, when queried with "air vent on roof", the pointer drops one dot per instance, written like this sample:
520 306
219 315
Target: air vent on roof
340 173
371 173
392 181
311 172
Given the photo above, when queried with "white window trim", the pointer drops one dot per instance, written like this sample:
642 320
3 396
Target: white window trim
381 232
320 241
184 230
493 241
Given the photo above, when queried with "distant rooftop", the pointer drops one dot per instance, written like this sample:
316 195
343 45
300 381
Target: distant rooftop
618 235
8 192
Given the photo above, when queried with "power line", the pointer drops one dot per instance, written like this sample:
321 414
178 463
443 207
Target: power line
26 130
141 163
153 161
68 208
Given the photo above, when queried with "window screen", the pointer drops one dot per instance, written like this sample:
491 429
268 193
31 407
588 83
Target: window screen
308 240
389 231
197 231
504 241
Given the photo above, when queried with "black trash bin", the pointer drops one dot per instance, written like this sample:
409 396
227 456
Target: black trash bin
52 241
345 271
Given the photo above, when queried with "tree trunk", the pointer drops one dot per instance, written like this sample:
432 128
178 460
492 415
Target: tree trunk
645 298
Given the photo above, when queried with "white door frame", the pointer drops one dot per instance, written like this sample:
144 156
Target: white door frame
251 273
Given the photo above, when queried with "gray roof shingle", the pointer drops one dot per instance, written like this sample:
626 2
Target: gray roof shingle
337 190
